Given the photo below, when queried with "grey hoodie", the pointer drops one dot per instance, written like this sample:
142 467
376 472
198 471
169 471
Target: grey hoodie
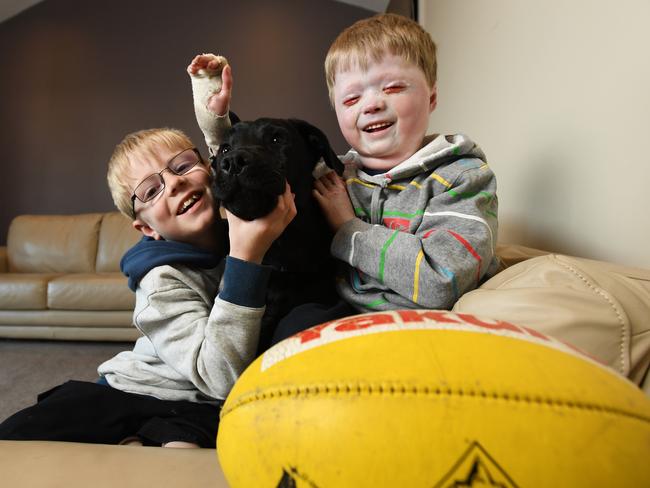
425 231
194 346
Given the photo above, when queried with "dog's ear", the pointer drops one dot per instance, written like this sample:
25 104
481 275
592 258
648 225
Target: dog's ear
233 117
318 140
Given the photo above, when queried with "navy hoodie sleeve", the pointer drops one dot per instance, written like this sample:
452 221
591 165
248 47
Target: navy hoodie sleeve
245 283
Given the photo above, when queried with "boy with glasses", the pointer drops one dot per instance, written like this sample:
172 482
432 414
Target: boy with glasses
197 337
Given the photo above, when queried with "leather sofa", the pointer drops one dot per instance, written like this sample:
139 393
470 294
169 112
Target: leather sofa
37 464
602 308
60 278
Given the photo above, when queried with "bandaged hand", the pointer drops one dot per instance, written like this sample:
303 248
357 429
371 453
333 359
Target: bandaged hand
211 90
211 82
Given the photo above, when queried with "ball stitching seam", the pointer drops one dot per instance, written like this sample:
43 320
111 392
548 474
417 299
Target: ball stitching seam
435 391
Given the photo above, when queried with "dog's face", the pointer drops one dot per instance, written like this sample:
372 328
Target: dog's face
256 158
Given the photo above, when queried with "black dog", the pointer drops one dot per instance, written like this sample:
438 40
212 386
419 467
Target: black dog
251 167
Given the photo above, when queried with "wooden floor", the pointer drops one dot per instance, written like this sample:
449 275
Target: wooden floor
29 367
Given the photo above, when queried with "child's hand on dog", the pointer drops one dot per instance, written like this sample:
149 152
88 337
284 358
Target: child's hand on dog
211 65
250 239
332 196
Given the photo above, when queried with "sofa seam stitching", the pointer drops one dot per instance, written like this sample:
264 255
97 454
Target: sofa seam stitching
596 290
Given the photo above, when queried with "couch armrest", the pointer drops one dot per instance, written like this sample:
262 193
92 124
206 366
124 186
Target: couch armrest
4 262
74 465
510 254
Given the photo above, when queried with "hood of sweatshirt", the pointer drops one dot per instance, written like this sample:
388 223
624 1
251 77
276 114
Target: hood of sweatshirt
436 150
149 253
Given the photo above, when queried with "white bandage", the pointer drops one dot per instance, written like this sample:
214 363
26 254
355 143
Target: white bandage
206 83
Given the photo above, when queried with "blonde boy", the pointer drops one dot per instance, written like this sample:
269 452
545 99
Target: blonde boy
196 338
419 227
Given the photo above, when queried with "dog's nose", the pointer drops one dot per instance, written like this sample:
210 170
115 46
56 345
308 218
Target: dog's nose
233 164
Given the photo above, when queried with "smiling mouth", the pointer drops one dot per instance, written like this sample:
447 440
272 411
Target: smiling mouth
377 127
189 203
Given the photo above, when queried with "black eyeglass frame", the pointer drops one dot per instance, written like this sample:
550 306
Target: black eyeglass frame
159 175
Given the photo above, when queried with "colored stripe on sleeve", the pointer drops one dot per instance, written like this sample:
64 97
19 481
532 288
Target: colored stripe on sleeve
416 278
452 277
487 195
359 182
440 180
471 250
440 269
361 212
377 303
382 256
464 216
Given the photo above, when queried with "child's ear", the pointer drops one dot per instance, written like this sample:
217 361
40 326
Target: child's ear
433 98
142 226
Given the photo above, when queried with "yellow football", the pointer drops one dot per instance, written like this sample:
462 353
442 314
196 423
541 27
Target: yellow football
432 399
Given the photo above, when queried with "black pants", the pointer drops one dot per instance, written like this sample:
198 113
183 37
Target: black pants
79 411
309 314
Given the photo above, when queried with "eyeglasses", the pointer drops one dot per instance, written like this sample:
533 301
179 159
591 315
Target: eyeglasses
153 184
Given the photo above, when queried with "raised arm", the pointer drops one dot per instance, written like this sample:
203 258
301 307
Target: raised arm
211 78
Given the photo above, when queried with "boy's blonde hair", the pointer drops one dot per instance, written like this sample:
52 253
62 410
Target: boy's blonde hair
142 144
372 38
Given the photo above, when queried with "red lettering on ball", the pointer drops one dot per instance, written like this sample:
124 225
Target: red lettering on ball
423 315
363 322
311 333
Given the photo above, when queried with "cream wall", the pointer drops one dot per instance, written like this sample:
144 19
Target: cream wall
557 92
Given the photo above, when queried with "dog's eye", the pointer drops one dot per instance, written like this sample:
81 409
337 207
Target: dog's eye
224 148
277 137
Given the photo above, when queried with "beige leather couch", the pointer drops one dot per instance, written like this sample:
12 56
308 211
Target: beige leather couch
60 278
602 308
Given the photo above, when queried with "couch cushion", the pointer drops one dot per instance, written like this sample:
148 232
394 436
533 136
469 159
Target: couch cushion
116 236
82 291
601 308
24 291
88 331
75 465
53 243
45 323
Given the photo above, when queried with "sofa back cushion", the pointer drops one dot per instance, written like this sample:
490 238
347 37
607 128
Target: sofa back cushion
116 236
53 243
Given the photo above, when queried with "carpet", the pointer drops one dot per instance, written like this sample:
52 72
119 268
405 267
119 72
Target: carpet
30 367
